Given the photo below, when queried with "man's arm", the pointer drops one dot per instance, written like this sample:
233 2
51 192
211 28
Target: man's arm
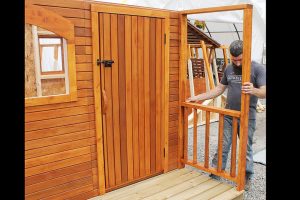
247 88
210 94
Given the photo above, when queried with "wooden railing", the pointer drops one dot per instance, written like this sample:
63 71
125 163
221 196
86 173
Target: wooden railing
232 175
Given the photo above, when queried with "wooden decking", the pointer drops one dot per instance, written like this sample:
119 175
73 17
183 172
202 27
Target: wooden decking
176 185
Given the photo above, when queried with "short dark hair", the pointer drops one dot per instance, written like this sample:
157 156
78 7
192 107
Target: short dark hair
236 48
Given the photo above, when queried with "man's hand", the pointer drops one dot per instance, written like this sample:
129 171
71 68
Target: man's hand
247 88
191 99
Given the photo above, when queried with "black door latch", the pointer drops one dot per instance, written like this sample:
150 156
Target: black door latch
107 63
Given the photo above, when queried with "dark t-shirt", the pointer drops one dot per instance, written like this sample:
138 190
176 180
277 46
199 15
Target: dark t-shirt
233 79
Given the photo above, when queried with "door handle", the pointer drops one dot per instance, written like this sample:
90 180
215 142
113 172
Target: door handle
107 63
104 104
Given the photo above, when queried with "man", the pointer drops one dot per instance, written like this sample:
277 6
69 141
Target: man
232 80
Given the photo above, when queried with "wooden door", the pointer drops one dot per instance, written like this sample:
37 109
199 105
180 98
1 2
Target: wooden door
132 91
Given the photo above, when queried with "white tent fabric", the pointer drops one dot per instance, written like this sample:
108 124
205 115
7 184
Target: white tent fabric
259 15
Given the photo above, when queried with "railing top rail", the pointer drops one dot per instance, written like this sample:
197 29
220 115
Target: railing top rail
223 111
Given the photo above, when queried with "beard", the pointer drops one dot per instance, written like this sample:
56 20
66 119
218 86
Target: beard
234 65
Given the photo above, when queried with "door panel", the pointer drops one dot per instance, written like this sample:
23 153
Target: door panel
133 86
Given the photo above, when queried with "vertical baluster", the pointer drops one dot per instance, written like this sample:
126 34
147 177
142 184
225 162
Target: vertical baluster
207 125
220 142
195 136
185 134
233 148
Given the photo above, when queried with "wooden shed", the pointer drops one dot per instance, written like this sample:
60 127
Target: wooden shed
109 115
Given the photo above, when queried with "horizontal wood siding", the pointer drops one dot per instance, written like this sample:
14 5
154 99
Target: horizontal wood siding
60 139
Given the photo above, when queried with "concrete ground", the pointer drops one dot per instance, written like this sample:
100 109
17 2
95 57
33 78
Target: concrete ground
258 189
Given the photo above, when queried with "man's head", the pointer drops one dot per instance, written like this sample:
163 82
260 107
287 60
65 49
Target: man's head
236 52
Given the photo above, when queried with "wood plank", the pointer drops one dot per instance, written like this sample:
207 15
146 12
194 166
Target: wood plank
51 175
141 194
84 84
69 194
57 165
152 78
182 87
207 126
135 100
230 194
167 193
59 189
216 9
85 93
128 96
209 194
174 43
56 157
233 147
85 32
195 138
57 181
131 189
70 12
158 92
80 22
81 76
185 134
43 133
245 98
64 112
59 147
165 99
86 195
108 90
58 3
83 58
129 10
58 139
195 190
141 95
223 111
207 65
115 96
174 56
84 67
83 41
220 142
122 95
79 102
99 86
174 22
147 94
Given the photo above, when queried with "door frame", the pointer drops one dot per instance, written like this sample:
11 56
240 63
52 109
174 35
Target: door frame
136 11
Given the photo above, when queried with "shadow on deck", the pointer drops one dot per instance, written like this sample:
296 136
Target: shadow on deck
176 185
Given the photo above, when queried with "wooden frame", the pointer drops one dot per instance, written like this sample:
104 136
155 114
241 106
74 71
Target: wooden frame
38 16
245 98
126 10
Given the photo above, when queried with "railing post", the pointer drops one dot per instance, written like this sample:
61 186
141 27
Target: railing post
245 98
207 118
195 140
220 142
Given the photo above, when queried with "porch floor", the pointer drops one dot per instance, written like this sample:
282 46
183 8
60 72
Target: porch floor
176 185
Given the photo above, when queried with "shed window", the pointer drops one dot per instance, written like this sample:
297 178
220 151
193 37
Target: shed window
51 55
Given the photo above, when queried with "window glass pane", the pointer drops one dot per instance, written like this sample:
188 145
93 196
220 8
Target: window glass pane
51 57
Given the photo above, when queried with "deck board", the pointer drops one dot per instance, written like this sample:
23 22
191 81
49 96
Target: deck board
177 184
